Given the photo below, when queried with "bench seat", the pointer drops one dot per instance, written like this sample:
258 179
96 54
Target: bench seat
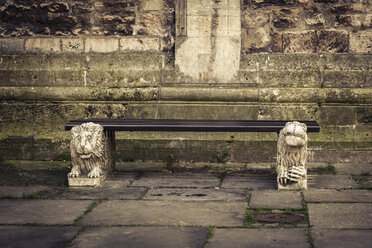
191 125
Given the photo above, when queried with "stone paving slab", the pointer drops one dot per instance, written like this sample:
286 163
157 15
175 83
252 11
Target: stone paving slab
352 168
36 237
102 193
331 182
187 194
141 237
20 191
250 182
341 238
331 195
275 199
128 212
157 180
256 238
41 211
340 215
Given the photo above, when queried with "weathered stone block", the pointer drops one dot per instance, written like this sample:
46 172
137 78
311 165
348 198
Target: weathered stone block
301 42
43 45
276 44
338 115
332 41
126 61
207 94
361 42
41 78
11 45
139 44
101 45
72 45
346 79
294 95
285 18
122 78
347 62
300 79
364 114
287 111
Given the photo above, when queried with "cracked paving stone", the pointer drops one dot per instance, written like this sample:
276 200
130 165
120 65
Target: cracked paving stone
250 182
158 180
20 191
331 195
187 194
340 215
341 238
142 237
102 193
275 199
41 211
331 182
130 212
254 238
36 237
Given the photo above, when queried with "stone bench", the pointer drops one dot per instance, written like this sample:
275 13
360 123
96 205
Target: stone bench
93 144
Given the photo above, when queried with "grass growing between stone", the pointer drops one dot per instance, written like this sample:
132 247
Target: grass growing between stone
330 169
209 235
89 209
363 180
308 231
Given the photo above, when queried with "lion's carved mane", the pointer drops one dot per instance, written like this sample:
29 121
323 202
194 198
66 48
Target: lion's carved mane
88 150
292 153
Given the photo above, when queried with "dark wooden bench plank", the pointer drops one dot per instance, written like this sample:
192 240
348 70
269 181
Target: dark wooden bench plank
191 125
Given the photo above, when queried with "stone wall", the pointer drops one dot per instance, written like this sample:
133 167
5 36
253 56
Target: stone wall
188 59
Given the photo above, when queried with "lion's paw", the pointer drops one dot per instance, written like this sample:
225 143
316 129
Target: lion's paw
283 177
95 173
296 173
75 172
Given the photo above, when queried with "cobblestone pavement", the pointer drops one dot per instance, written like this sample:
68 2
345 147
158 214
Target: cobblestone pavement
210 208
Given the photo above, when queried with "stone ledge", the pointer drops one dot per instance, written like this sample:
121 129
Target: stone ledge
51 44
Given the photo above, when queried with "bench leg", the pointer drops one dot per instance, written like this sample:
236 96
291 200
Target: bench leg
292 156
92 155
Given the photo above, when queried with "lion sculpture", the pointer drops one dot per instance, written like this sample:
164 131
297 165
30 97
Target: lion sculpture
291 156
89 151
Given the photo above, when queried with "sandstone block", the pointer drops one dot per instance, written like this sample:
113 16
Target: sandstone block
43 45
139 44
300 42
332 41
101 45
72 45
361 42
276 44
11 45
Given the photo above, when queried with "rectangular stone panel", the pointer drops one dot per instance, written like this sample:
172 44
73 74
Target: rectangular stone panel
341 238
275 199
331 182
37 236
250 182
340 215
331 195
235 237
174 180
20 191
127 61
41 211
197 194
141 237
167 213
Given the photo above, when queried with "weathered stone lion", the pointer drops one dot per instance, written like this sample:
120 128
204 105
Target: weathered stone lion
292 156
88 150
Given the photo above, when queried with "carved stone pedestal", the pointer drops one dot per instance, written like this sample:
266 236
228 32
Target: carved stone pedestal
92 155
292 156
